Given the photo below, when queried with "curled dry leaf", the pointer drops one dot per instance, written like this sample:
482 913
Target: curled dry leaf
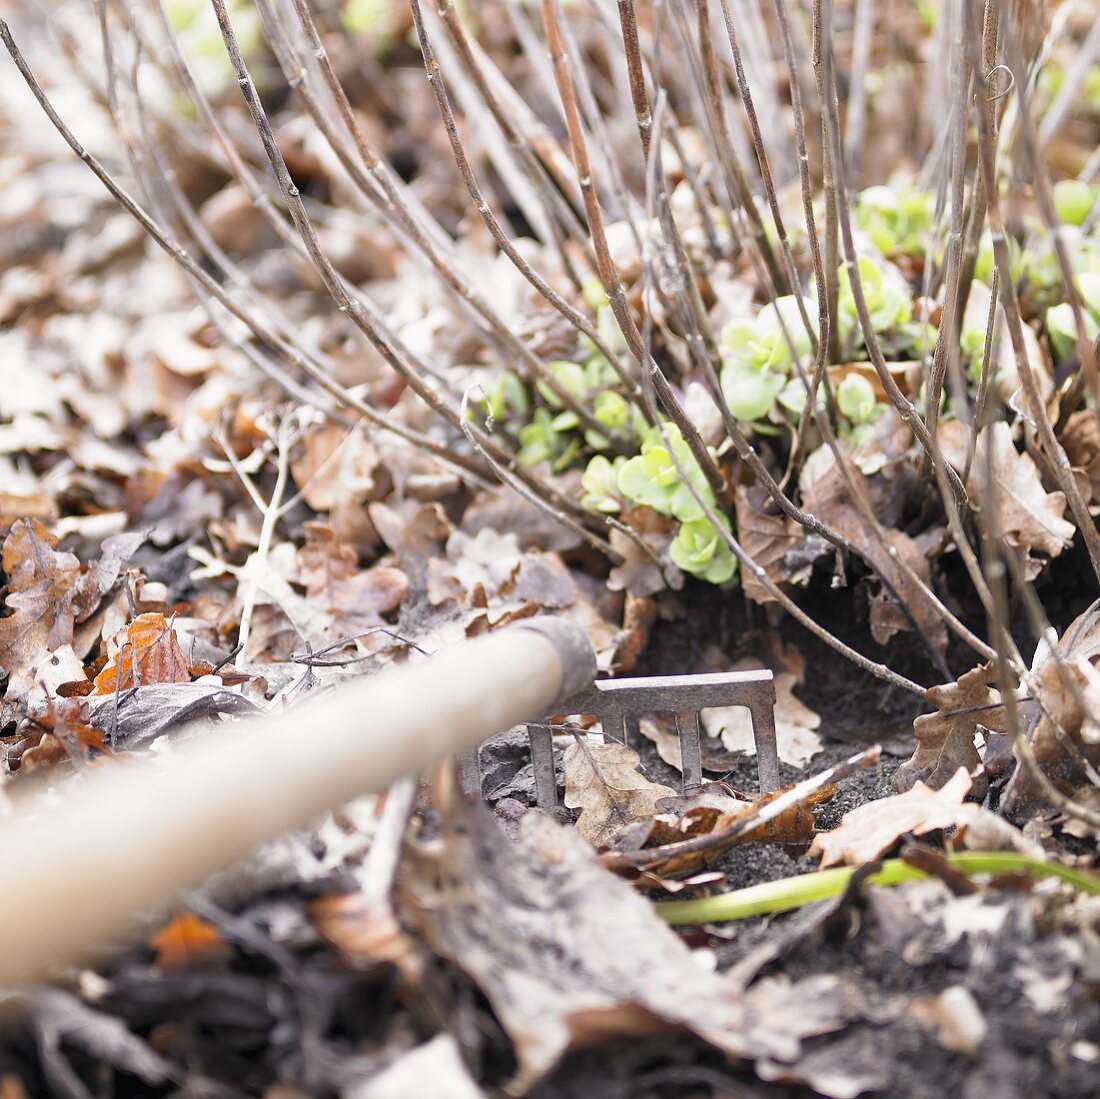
871 829
1030 517
187 940
642 574
1066 737
363 931
145 652
603 781
1081 439
945 739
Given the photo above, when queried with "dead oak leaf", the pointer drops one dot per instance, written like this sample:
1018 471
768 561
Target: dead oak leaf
767 539
1081 438
643 573
871 829
48 593
486 561
603 781
825 494
1066 737
1031 518
945 739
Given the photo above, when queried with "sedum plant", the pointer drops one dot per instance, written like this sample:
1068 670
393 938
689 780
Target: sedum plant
757 357
652 478
895 219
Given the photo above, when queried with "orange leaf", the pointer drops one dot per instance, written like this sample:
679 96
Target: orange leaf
185 940
150 650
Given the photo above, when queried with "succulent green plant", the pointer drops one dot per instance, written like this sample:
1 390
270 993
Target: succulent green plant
757 357
855 398
653 479
895 219
698 549
546 438
890 306
1074 200
1060 324
201 42
600 482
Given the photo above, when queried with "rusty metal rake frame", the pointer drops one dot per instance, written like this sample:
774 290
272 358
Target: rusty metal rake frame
618 703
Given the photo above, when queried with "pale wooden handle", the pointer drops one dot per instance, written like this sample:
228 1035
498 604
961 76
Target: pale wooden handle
137 834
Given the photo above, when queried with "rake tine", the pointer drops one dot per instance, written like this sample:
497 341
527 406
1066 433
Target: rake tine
542 766
767 752
691 751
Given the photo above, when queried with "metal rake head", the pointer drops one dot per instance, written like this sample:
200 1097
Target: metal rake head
618 704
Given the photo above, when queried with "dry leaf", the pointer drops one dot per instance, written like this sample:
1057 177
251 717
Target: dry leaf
187 940
49 592
1066 739
1081 439
825 494
795 723
1030 517
569 955
873 828
767 538
603 781
364 932
353 600
146 652
945 739
643 574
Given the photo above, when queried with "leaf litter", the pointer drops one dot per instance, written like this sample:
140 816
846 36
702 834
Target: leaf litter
141 455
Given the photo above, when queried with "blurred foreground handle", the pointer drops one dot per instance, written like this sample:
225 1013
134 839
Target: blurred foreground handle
133 836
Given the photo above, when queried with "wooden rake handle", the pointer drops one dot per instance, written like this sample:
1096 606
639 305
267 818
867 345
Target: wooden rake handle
133 837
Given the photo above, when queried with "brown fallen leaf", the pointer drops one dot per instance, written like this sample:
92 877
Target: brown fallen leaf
945 739
767 538
1081 439
145 652
61 731
41 583
1031 518
603 781
641 573
1066 737
639 615
568 955
364 932
871 829
15 506
825 494
48 593
354 600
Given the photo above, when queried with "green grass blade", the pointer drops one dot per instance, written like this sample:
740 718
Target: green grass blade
788 893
